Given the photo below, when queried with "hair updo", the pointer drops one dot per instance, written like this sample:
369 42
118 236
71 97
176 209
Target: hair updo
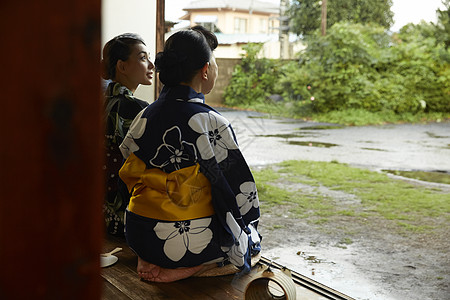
185 52
119 47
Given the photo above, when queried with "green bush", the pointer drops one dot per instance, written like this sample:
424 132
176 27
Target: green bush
253 80
354 67
424 66
362 67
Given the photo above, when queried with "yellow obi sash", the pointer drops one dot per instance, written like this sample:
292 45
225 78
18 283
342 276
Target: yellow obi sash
181 195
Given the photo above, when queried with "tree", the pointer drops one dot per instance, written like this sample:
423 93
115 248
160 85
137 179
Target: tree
443 25
439 31
364 67
305 15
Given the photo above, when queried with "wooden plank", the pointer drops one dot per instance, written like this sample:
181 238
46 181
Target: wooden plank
130 285
202 288
124 278
179 290
109 291
215 287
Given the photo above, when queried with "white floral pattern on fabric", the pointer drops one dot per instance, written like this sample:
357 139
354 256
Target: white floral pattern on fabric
180 236
216 136
254 235
237 252
137 129
248 197
173 150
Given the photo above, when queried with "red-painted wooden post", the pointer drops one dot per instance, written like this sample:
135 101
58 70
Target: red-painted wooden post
51 185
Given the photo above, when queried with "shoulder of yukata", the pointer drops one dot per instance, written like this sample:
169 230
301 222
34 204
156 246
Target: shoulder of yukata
201 106
192 108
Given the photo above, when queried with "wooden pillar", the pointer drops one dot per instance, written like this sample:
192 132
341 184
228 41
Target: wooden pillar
160 31
51 181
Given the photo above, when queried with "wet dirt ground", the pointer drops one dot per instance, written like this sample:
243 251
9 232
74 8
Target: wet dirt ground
379 263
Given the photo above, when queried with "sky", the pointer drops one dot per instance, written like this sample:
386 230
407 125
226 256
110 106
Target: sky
405 11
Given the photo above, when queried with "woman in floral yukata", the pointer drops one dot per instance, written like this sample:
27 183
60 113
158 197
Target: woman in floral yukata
194 205
126 63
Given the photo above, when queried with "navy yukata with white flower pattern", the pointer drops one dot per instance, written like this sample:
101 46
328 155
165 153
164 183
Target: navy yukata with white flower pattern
178 131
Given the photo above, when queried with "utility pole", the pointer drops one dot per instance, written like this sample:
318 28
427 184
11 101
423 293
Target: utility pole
284 30
324 17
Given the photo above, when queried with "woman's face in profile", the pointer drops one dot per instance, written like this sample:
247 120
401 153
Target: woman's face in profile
139 66
213 72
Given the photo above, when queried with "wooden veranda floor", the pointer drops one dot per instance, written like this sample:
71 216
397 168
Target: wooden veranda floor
120 281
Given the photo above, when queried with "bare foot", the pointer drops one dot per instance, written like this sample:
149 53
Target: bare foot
154 273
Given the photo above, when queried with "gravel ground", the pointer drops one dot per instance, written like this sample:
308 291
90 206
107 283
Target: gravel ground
379 263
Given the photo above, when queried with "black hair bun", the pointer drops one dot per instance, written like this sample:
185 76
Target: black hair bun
169 59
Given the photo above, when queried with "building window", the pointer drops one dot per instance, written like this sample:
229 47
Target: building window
272 26
240 25
209 22
262 25
210 26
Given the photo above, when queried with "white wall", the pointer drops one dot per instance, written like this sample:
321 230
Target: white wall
137 16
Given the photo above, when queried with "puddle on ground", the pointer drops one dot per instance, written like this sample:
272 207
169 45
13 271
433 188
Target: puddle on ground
322 127
287 136
334 270
374 149
291 121
431 176
265 117
432 135
309 258
284 136
311 144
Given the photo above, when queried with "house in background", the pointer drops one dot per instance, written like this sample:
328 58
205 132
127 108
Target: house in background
239 22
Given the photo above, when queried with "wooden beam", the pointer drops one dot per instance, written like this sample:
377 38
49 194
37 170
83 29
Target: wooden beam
52 150
160 31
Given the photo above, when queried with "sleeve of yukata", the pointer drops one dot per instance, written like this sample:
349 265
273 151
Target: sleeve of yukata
234 194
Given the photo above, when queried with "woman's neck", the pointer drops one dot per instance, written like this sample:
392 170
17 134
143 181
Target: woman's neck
126 83
195 84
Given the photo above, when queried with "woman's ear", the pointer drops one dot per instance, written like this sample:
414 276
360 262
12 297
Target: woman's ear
120 66
204 71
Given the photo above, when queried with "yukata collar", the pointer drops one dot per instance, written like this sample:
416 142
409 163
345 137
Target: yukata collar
182 93
116 89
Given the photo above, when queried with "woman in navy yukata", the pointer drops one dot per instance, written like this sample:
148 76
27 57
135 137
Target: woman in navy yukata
194 208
